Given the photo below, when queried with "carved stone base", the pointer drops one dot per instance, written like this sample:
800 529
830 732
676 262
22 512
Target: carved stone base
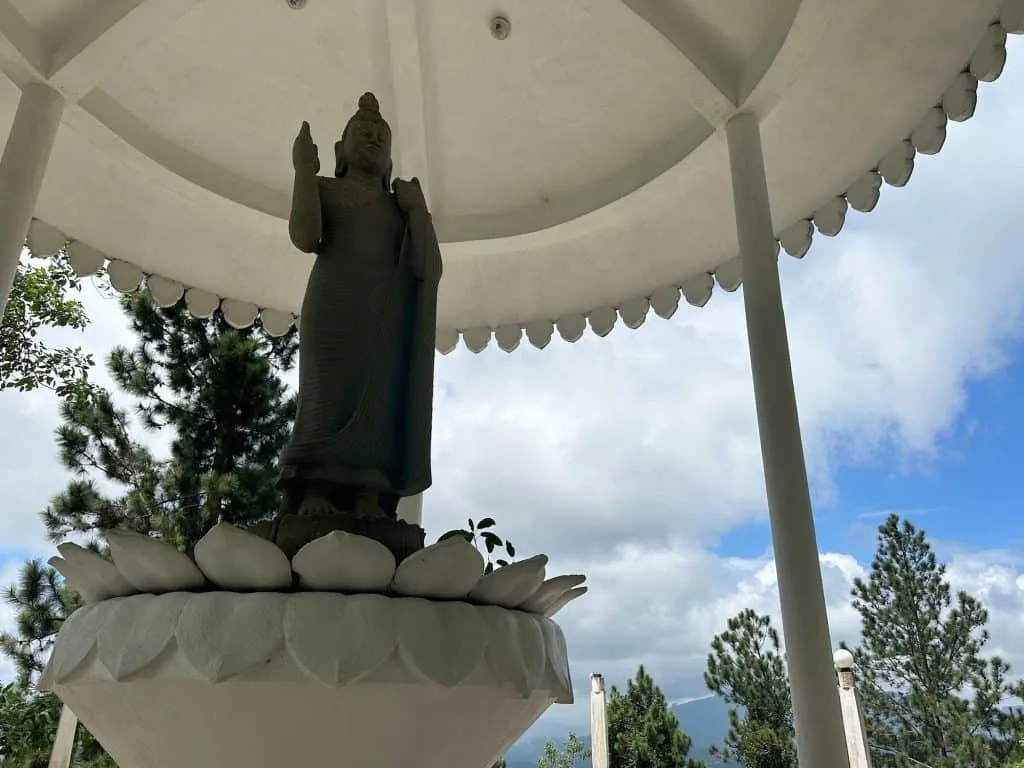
295 531
269 680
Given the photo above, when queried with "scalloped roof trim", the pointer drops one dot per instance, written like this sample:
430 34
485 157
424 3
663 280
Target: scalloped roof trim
958 104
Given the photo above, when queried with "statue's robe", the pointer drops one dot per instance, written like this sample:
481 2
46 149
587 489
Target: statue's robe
366 350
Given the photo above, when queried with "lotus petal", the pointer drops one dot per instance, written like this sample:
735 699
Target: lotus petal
504 652
447 570
235 559
344 562
512 584
75 641
530 636
557 659
151 565
338 638
515 648
563 600
548 592
90 574
137 631
441 642
222 634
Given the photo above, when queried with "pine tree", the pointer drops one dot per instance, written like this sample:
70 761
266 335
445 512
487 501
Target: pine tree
217 392
746 668
41 602
642 732
43 297
929 696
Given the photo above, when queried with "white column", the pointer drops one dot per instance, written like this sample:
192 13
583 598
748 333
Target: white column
819 726
64 742
853 713
598 723
410 509
22 167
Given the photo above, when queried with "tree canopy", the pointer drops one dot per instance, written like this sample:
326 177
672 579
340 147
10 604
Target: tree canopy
642 732
930 693
44 297
746 668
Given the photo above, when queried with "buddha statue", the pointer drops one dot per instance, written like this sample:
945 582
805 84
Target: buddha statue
361 439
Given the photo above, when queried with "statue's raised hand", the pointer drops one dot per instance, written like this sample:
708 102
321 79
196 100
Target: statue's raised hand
409 195
305 156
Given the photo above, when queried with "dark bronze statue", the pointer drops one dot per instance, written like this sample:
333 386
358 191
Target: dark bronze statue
361 439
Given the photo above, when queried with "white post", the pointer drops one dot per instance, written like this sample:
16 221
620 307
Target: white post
22 167
64 742
598 723
819 727
853 713
410 509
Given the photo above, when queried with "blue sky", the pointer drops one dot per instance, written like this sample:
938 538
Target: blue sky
968 493
635 459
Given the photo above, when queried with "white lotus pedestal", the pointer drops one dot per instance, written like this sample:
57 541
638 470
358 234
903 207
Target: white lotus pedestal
208 679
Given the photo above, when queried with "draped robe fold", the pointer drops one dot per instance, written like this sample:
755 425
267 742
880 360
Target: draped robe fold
366 350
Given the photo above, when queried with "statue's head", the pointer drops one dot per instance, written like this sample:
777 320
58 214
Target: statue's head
365 143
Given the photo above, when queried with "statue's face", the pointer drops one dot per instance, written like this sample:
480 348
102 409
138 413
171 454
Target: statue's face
367 146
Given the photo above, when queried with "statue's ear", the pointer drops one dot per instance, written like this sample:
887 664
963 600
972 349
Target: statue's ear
339 159
387 176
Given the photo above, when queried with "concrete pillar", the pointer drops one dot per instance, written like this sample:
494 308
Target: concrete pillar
22 167
410 509
598 723
64 741
853 713
819 727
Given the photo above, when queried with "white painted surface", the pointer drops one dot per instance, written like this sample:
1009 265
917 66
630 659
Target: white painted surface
266 680
598 723
64 741
22 168
819 727
573 167
853 712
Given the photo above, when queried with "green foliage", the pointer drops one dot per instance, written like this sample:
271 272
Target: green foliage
1016 759
41 602
42 298
217 393
746 668
480 535
28 726
929 696
569 756
642 732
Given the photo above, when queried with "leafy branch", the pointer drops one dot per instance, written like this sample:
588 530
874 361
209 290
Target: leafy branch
480 535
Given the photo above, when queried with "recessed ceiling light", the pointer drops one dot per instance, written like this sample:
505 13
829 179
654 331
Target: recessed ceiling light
500 27
296 4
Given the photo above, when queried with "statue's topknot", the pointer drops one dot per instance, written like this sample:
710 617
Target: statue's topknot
369 102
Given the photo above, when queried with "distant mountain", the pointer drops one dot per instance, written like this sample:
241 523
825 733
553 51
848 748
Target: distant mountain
704 720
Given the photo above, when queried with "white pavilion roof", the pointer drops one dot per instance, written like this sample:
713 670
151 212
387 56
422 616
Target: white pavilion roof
574 169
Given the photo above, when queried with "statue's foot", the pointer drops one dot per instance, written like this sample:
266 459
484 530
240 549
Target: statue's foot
316 505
